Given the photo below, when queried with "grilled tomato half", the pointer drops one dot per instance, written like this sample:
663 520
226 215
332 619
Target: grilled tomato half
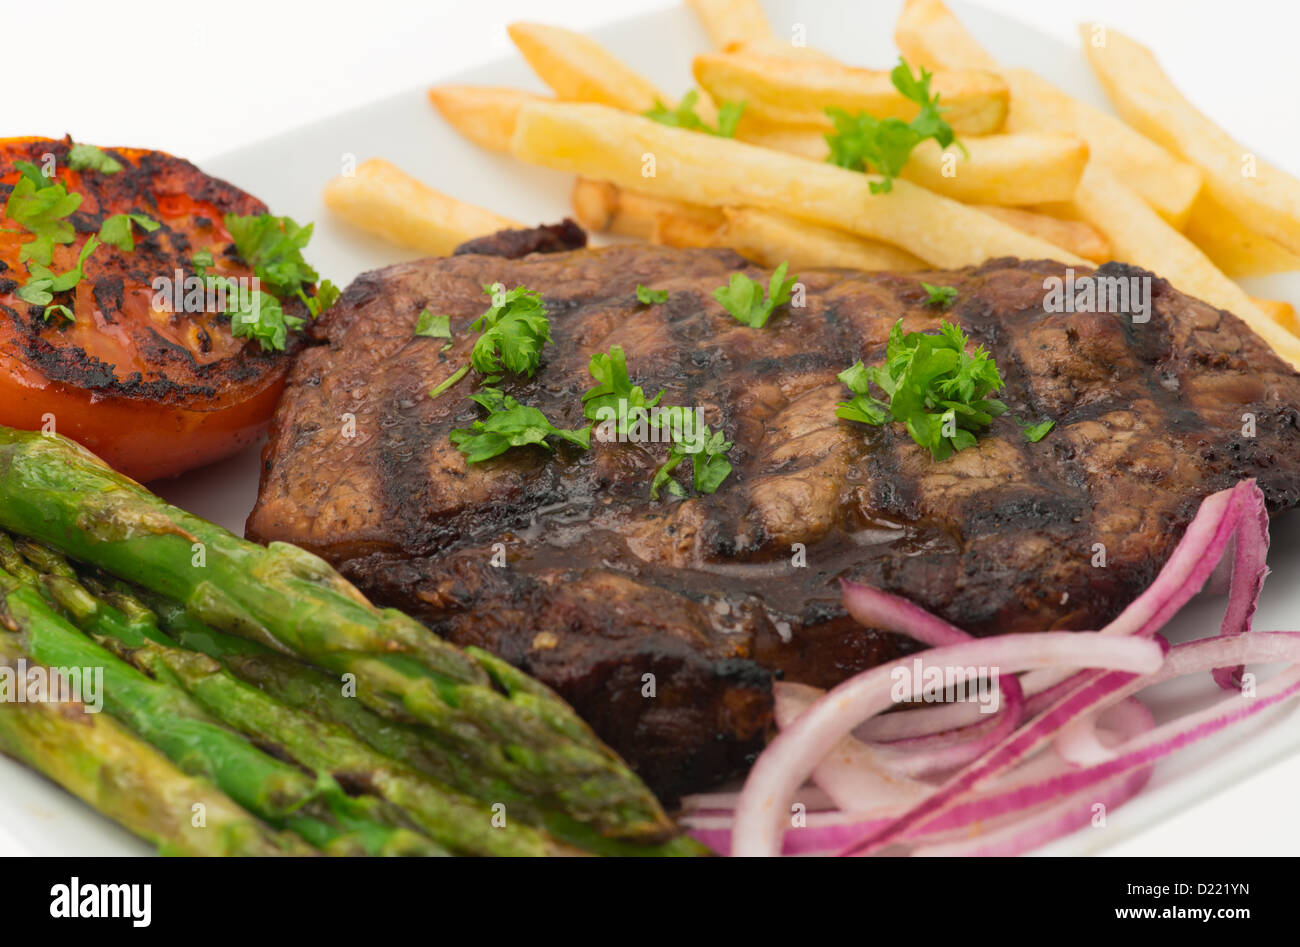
97 247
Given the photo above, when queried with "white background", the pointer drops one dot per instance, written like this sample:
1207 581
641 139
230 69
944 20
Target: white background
200 79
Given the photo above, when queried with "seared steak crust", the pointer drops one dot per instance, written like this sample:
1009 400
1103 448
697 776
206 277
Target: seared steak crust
602 588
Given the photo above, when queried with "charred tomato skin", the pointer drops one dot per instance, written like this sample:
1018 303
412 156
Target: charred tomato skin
152 392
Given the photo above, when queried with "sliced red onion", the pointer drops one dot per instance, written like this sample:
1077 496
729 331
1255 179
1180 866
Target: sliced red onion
763 809
1028 739
1146 749
852 770
1062 817
828 832
1017 796
897 764
876 609
1248 571
1188 567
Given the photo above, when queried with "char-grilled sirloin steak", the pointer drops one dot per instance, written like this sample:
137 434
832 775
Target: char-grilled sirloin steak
602 586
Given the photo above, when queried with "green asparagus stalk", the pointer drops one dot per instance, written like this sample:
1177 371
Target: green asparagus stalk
98 760
57 492
315 808
317 693
319 698
463 825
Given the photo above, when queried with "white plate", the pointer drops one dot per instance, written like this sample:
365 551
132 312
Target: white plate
289 171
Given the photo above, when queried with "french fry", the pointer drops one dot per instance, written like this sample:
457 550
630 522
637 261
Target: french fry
671 230
807 143
1234 247
604 208
1138 235
1250 188
384 200
637 153
1013 170
1280 311
765 237
1076 236
578 69
928 33
483 114
733 22
769 238
797 91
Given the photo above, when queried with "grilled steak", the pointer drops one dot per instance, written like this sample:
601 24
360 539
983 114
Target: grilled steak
561 564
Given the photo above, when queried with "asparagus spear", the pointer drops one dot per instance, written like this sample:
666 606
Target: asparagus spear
317 693
464 825
96 759
55 491
318 699
316 808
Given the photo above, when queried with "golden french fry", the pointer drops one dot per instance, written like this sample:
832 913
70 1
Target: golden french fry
1234 247
384 200
1254 190
1076 236
729 22
605 208
929 35
735 25
807 143
1138 235
578 69
483 114
770 238
1014 170
671 230
1029 168
637 153
797 91
762 236
927 32
1168 184
1280 311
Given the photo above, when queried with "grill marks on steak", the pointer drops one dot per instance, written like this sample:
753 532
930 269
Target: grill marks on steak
604 587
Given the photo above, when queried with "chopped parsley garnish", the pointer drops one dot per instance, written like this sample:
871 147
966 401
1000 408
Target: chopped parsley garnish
861 142
649 297
90 158
259 315
1035 432
744 298
433 326
614 397
272 246
116 230
933 386
44 283
514 329
684 116
40 206
509 424
511 335
327 294
709 464
450 380
613 386
939 296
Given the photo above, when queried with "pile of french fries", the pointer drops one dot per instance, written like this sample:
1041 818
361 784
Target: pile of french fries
1042 175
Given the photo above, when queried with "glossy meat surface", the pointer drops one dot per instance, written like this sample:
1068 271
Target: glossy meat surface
715 595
